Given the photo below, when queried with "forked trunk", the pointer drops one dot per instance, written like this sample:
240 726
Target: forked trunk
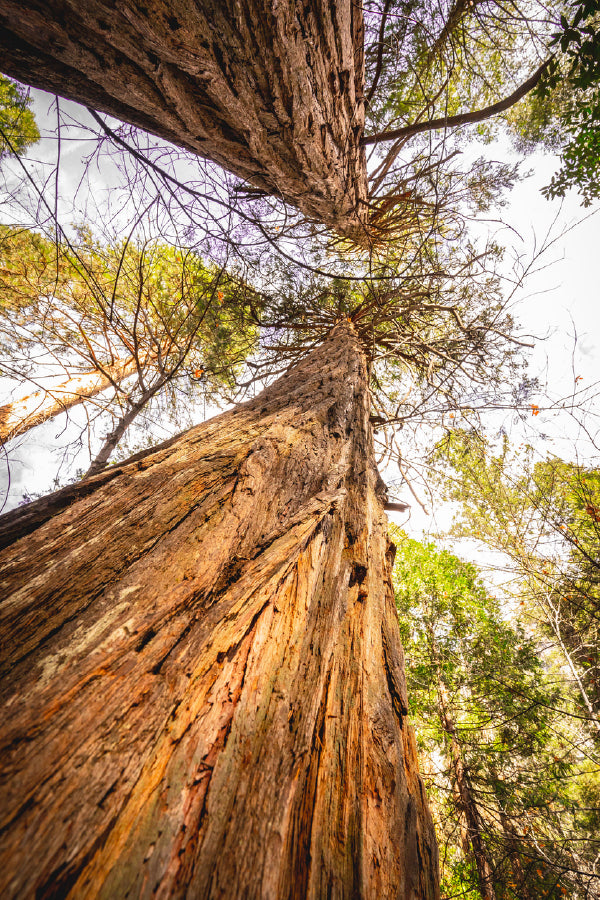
203 681
22 415
273 92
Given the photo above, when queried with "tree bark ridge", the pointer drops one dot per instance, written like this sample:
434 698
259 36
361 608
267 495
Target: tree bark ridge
203 683
273 92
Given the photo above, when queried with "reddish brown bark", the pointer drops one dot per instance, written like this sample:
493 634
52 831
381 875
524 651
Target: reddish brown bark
21 415
273 92
202 677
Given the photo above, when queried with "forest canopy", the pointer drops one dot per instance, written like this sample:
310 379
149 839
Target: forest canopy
303 203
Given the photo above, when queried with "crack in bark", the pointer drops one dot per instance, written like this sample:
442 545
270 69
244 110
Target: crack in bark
272 715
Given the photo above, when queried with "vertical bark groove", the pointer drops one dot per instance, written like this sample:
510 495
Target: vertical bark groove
195 681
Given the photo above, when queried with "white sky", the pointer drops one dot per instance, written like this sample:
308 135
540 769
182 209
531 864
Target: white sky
560 300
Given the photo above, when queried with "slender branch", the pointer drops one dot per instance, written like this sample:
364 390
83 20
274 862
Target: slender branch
379 65
462 118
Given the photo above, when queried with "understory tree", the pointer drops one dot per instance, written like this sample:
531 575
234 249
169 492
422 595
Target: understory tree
116 324
544 517
18 129
510 781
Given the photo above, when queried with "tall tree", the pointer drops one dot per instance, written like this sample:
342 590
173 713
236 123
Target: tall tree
203 681
273 94
103 312
508 769
259 752
277 94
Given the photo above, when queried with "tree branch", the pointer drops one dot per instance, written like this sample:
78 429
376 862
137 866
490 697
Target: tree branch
379 64
462 118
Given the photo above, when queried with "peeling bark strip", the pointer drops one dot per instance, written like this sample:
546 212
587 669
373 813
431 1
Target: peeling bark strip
21 415
273 92
203 692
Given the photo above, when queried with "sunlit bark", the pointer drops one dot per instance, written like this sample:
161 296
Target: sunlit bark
203 682
21 415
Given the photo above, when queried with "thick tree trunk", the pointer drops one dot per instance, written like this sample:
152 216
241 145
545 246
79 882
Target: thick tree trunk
273 92
202 677
20 416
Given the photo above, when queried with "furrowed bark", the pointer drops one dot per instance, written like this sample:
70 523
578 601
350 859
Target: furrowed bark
202 679
273 92
21 415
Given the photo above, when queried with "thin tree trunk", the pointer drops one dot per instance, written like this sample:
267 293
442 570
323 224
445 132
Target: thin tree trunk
273 92
514 843
100 461
20 416
553 619
471 825
202 676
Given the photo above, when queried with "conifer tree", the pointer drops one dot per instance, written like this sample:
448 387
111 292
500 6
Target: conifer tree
508 774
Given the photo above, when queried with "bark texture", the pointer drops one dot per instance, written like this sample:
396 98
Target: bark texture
203 685
21 415
272 91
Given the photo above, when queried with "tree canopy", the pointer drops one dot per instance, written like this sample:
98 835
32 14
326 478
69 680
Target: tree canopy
341 221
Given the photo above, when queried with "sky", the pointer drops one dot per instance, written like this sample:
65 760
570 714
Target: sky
559 305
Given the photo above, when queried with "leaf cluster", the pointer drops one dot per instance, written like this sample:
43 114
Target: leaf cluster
18 129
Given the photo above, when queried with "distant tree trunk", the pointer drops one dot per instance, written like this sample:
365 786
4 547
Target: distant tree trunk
112 439
21 415
473 843
202 675
514 845
273 92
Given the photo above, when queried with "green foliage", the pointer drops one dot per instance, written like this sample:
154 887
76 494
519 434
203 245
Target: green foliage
571 88
482 697
18 129
92 299
441 59
545 517
182 328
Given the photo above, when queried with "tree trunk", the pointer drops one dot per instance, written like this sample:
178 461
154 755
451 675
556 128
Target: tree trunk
112 439
273 92
474 844
20 416
203 679
514 844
